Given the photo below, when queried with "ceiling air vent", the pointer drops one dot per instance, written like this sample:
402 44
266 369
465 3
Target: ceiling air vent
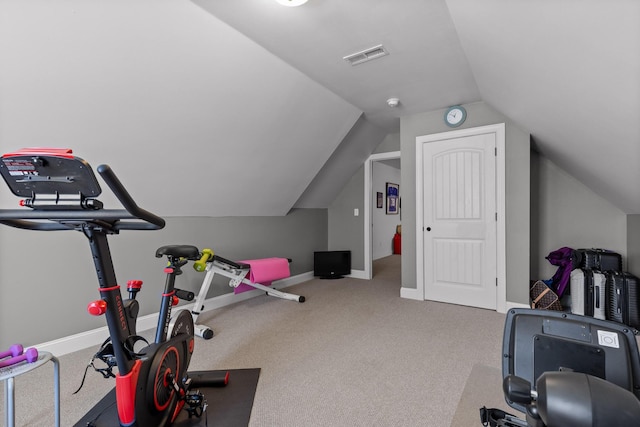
366 55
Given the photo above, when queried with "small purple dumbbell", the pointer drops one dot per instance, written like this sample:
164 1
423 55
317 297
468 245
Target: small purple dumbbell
14 350
31 355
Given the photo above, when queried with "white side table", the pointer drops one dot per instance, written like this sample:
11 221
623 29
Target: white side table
7 374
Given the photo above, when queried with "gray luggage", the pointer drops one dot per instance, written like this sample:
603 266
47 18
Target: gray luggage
588 293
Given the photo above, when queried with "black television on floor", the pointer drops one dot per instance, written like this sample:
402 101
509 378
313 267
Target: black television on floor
331 264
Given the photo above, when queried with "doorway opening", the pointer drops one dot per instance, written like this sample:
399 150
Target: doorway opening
370 203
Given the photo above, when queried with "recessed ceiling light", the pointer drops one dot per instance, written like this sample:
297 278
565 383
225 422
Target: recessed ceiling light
291 3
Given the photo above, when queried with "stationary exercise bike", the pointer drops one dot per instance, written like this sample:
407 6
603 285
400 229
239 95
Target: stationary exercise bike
152 384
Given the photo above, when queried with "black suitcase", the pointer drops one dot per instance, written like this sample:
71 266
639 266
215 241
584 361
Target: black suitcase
598 259
623 298
588 293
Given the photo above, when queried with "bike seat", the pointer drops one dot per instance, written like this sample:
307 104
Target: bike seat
179 251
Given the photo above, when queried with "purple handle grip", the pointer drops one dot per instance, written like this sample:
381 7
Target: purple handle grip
31 355
14 350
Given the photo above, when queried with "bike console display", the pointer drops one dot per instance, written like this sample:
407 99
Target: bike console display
50 178
61 189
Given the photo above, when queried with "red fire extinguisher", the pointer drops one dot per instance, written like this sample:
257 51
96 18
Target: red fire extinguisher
397 243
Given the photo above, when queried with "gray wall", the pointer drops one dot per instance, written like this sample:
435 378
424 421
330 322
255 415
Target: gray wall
517 192
346 231
564 212
48 278
633 244
390 143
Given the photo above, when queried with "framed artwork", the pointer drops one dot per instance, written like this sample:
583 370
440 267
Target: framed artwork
380 200
393 198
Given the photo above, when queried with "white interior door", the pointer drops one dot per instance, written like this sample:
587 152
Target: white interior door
460 217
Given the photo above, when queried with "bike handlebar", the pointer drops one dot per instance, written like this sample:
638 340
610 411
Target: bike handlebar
132 217
153 221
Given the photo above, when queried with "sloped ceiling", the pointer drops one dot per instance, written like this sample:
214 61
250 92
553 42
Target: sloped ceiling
569 72
566 71
194 117
363 138
237 107
426 67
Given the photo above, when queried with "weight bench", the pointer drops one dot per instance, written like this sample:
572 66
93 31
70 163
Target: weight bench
242 278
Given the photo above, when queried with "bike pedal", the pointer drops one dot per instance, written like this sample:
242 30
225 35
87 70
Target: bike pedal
195 403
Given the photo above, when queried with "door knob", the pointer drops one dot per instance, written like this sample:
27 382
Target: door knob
428 228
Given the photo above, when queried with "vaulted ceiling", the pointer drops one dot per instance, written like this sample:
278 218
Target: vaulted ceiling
246 107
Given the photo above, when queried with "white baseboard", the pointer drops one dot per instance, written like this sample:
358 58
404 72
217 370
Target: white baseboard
411 293
511 305
357 274
95 337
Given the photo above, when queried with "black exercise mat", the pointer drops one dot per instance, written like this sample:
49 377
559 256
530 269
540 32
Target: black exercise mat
229 406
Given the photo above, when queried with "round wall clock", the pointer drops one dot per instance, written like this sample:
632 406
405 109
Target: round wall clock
455 116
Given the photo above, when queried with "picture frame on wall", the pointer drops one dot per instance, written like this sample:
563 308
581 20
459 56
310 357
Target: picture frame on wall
380 200
393 198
